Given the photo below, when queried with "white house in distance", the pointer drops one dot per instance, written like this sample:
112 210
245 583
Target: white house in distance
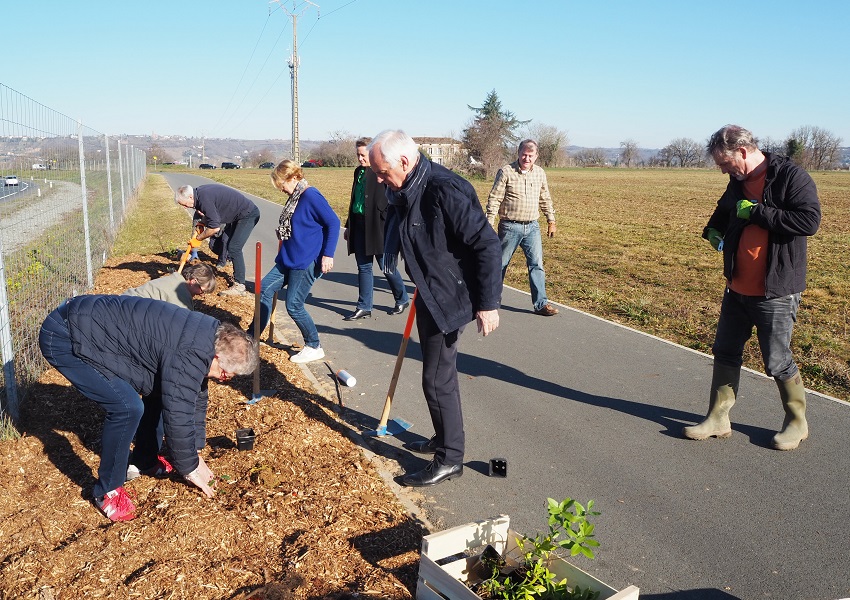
440 149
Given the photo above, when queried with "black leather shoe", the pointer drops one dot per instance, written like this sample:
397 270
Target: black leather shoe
399 309
432 475
423 447
358 314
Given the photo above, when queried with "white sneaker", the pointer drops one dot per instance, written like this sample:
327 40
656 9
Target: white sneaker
308 354
132 473
237 289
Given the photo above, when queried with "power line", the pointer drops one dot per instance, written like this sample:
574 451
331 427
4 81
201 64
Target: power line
245 70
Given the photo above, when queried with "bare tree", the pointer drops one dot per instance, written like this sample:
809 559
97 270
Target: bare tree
590 157
768 144
338 151
263 156
162 155
662 158
550 140
814 148
685 152
629 154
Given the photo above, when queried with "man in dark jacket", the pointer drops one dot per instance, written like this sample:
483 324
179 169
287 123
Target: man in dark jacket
116 349
364 231
221 206
761 225
453 256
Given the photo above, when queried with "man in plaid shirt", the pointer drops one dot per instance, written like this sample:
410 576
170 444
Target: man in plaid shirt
519 194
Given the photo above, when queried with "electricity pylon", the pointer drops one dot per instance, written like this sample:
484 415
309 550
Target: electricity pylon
294 62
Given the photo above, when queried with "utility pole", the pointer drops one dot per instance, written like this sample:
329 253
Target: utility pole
293 74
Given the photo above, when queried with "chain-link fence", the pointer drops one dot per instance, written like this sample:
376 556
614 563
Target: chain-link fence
65 191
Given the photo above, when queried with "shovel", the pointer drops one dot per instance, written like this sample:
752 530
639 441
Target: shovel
189 248
396 426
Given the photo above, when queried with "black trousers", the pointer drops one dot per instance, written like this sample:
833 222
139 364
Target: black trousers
440 385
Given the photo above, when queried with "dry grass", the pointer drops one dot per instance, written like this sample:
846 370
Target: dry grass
629 249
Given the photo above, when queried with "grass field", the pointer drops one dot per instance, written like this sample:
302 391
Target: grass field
629 249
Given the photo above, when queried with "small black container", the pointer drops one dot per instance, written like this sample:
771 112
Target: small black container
245 439
498 467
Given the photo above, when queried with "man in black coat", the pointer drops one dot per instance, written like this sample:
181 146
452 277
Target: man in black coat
761 224
223 207
454 258
364 231
117 349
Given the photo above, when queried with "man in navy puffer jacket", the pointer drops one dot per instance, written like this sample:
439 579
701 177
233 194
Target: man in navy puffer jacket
116 350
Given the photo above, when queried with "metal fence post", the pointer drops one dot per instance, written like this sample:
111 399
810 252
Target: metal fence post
7 350
121 175
85 205
109 185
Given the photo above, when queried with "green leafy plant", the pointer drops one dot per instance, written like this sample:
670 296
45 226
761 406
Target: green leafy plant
569 531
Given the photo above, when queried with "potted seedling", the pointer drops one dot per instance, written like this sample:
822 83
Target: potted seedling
513 566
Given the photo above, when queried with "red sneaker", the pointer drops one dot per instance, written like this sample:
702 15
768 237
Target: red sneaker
117 505
162 468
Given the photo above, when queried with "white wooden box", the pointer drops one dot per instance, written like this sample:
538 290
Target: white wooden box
448 581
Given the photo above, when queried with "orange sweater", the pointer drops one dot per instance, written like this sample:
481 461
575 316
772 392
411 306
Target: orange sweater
751 259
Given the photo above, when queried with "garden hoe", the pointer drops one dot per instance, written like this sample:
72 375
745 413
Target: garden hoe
396 426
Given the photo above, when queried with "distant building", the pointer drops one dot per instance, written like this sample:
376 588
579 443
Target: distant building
442 150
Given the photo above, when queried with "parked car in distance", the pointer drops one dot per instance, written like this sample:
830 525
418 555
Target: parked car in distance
206 166
312 163
10 180
40 167
230 165
267 165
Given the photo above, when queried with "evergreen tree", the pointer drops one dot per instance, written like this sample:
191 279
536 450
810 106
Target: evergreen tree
491 136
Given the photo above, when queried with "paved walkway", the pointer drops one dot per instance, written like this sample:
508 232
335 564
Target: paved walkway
586 408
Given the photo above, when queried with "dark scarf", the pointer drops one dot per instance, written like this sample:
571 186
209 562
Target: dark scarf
284 228
410 193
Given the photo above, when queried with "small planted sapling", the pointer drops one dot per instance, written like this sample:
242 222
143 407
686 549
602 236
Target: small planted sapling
527 576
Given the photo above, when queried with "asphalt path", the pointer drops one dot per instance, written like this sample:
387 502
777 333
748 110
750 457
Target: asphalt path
586 408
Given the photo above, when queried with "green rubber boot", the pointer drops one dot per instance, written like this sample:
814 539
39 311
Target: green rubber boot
724 388
794 429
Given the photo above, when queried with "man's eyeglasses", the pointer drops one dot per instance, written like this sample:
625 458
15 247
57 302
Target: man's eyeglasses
222 375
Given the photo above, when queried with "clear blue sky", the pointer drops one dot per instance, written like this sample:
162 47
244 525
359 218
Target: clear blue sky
602 71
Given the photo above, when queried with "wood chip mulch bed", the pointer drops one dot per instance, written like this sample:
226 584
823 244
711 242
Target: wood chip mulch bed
303 515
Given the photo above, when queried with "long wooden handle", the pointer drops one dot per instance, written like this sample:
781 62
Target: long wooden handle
184 258
385 416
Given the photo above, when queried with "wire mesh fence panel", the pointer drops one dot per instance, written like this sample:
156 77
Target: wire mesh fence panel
66 189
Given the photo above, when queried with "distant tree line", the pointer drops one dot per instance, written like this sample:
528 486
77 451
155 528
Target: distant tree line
813 148
492 134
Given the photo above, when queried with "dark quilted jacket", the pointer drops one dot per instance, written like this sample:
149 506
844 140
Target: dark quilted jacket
150 343
790 212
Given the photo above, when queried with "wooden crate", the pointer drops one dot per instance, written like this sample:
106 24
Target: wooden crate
448 580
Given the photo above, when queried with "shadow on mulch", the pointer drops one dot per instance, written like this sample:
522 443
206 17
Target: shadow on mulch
66 411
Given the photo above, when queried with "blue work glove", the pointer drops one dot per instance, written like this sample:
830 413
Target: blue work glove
745 207
715 238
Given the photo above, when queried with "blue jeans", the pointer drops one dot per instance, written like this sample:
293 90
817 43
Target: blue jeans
365 281
774 322
243 229
298 283
122 403
527 237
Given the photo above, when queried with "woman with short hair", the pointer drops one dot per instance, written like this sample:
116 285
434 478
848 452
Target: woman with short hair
308 230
